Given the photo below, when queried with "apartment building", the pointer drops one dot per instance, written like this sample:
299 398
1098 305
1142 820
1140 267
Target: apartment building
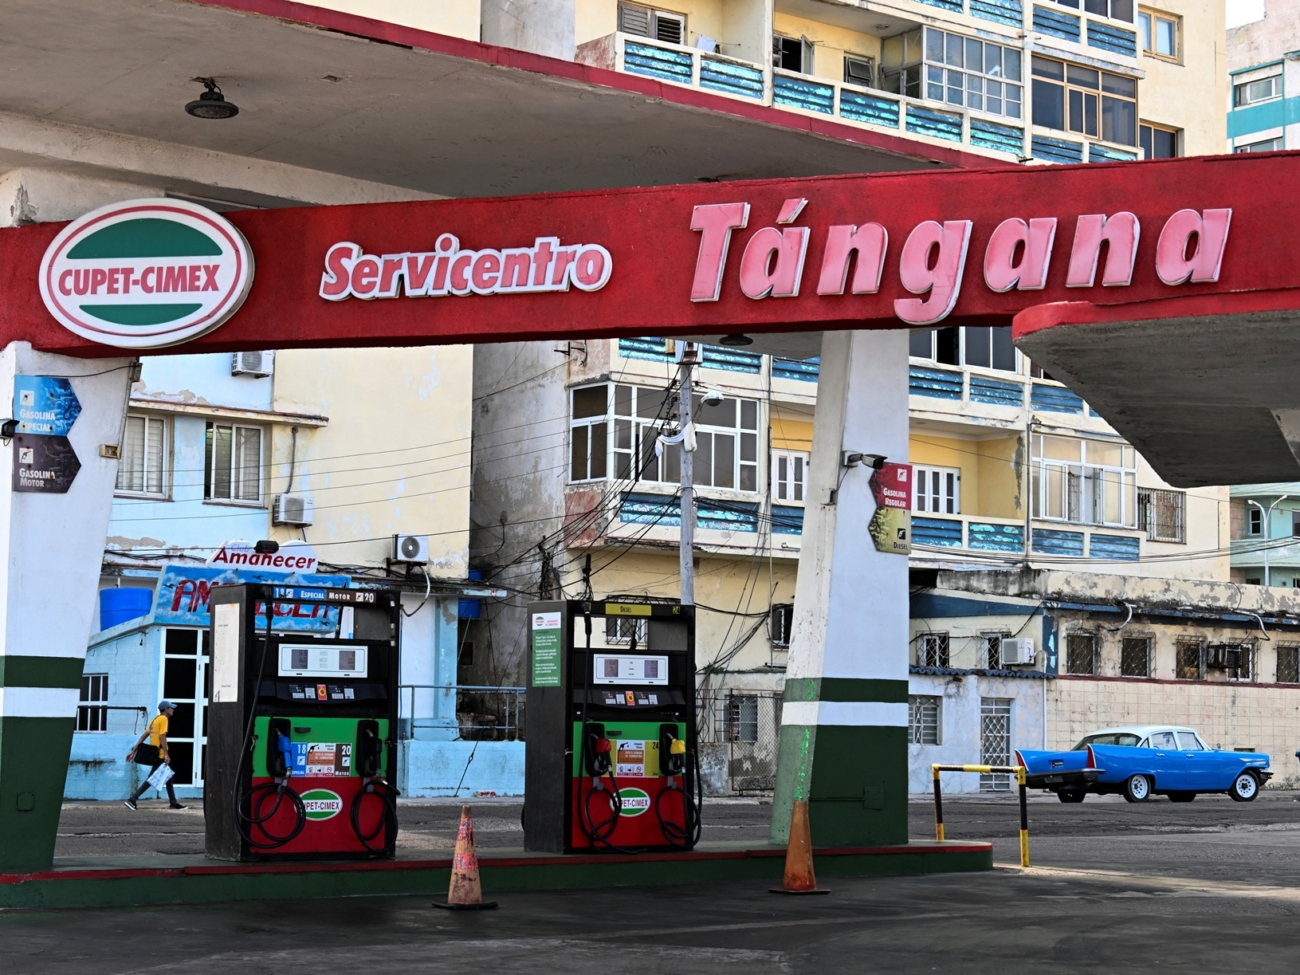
1264 75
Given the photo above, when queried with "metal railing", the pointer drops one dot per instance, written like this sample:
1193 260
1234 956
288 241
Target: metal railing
501 717
1017 770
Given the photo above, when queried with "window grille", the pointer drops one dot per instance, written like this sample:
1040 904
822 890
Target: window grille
1163 515
933 650
94 689
1081 653
1288 663
1189 659
923 719
1135 657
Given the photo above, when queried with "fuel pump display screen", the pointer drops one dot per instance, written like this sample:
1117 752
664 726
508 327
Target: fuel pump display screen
308 660
626 669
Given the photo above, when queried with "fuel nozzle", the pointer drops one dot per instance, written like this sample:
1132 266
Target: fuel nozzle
598 750
672 751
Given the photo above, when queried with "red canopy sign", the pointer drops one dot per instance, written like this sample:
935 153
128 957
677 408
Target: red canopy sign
883 251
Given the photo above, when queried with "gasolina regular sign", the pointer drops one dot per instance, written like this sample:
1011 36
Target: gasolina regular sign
146 273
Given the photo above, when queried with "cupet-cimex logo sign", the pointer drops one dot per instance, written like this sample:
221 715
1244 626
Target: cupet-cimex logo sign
322 804
146 273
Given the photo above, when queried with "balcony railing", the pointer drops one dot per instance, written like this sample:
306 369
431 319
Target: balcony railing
852 104
983 536
1015 391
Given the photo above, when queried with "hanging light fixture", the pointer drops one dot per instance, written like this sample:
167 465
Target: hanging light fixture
736 341
211 104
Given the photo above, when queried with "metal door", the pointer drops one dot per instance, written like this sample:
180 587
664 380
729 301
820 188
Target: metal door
995 741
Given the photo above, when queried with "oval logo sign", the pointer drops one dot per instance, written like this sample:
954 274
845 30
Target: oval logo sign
322 804
146 273
635 801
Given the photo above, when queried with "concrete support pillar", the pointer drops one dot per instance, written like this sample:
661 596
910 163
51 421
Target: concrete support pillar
51 547
844 718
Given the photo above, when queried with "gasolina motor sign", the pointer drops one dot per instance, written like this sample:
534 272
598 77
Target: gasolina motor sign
146 274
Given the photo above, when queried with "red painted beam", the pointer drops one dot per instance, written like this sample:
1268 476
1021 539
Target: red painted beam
654 255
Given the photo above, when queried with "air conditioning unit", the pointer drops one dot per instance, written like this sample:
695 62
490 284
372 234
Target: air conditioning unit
1016 652
292 509
252 364
411 548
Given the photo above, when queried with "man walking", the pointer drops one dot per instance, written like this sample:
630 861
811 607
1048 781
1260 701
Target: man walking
154 753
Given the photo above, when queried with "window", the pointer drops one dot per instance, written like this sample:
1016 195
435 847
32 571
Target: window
859 71
726 437
989 347
742 717
781 624
1081 653
1188 742
648 22
1158 142
1163 515
991 650
1159 33
1135 657
1121 738
588 453
1073 98
1268 145
624 630
94 689
1236 660
955 70
233 465
1288 663
933 650
142 467
1254 521
938 490
1254 92
789 475
791 54
1189 659
1253 581
1115 9
186 680
995 741
1085 482
923 719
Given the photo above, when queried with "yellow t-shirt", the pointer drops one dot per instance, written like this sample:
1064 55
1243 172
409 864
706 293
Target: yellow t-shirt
157 728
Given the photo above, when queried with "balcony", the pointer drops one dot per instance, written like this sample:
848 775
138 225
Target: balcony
976 391
818 97
935 536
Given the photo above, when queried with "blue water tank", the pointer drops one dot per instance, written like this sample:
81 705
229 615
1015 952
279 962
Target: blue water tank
119 605
469 609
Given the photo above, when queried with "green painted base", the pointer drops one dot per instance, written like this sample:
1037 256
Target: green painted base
203 881
856 789
33 769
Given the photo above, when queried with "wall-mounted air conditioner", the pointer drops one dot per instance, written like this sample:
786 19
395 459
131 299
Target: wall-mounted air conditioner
292 509
1017 652
411 548
252 364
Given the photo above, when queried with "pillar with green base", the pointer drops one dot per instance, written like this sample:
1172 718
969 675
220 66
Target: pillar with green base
843 741
52 546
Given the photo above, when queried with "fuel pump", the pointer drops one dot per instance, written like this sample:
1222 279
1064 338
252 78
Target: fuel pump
611 759
302 723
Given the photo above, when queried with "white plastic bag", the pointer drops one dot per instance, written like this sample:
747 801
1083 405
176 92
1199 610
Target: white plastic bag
161 776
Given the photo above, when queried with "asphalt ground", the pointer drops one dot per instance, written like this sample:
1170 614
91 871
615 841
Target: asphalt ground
1211 886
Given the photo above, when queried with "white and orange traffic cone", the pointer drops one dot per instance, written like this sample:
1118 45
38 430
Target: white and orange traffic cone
799 877
465 893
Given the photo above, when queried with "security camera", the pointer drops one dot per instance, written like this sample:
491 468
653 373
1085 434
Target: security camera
713 397
852 458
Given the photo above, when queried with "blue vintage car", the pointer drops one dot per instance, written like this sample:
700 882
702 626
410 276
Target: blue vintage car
1144 760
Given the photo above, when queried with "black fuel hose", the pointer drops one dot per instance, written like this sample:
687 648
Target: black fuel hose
387 793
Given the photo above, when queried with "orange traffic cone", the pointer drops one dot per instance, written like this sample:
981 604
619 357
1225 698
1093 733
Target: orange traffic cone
465 893
799 877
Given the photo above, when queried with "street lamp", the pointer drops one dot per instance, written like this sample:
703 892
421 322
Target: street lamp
1266 516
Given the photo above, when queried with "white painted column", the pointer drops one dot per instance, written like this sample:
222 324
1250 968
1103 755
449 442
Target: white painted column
51 547
844 717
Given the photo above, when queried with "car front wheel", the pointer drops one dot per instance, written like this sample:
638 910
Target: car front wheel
1245 787
1137 788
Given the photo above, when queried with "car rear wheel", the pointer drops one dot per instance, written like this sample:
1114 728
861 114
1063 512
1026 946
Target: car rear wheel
1245 787
1182 796
1071 796
1137 788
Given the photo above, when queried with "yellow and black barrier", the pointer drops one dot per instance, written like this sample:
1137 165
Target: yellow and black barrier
1017 770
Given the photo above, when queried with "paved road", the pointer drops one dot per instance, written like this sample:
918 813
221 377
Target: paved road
1209 887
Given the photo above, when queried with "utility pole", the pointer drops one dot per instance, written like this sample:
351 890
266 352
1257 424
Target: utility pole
687 357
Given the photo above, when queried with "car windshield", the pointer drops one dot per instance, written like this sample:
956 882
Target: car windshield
1109 738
